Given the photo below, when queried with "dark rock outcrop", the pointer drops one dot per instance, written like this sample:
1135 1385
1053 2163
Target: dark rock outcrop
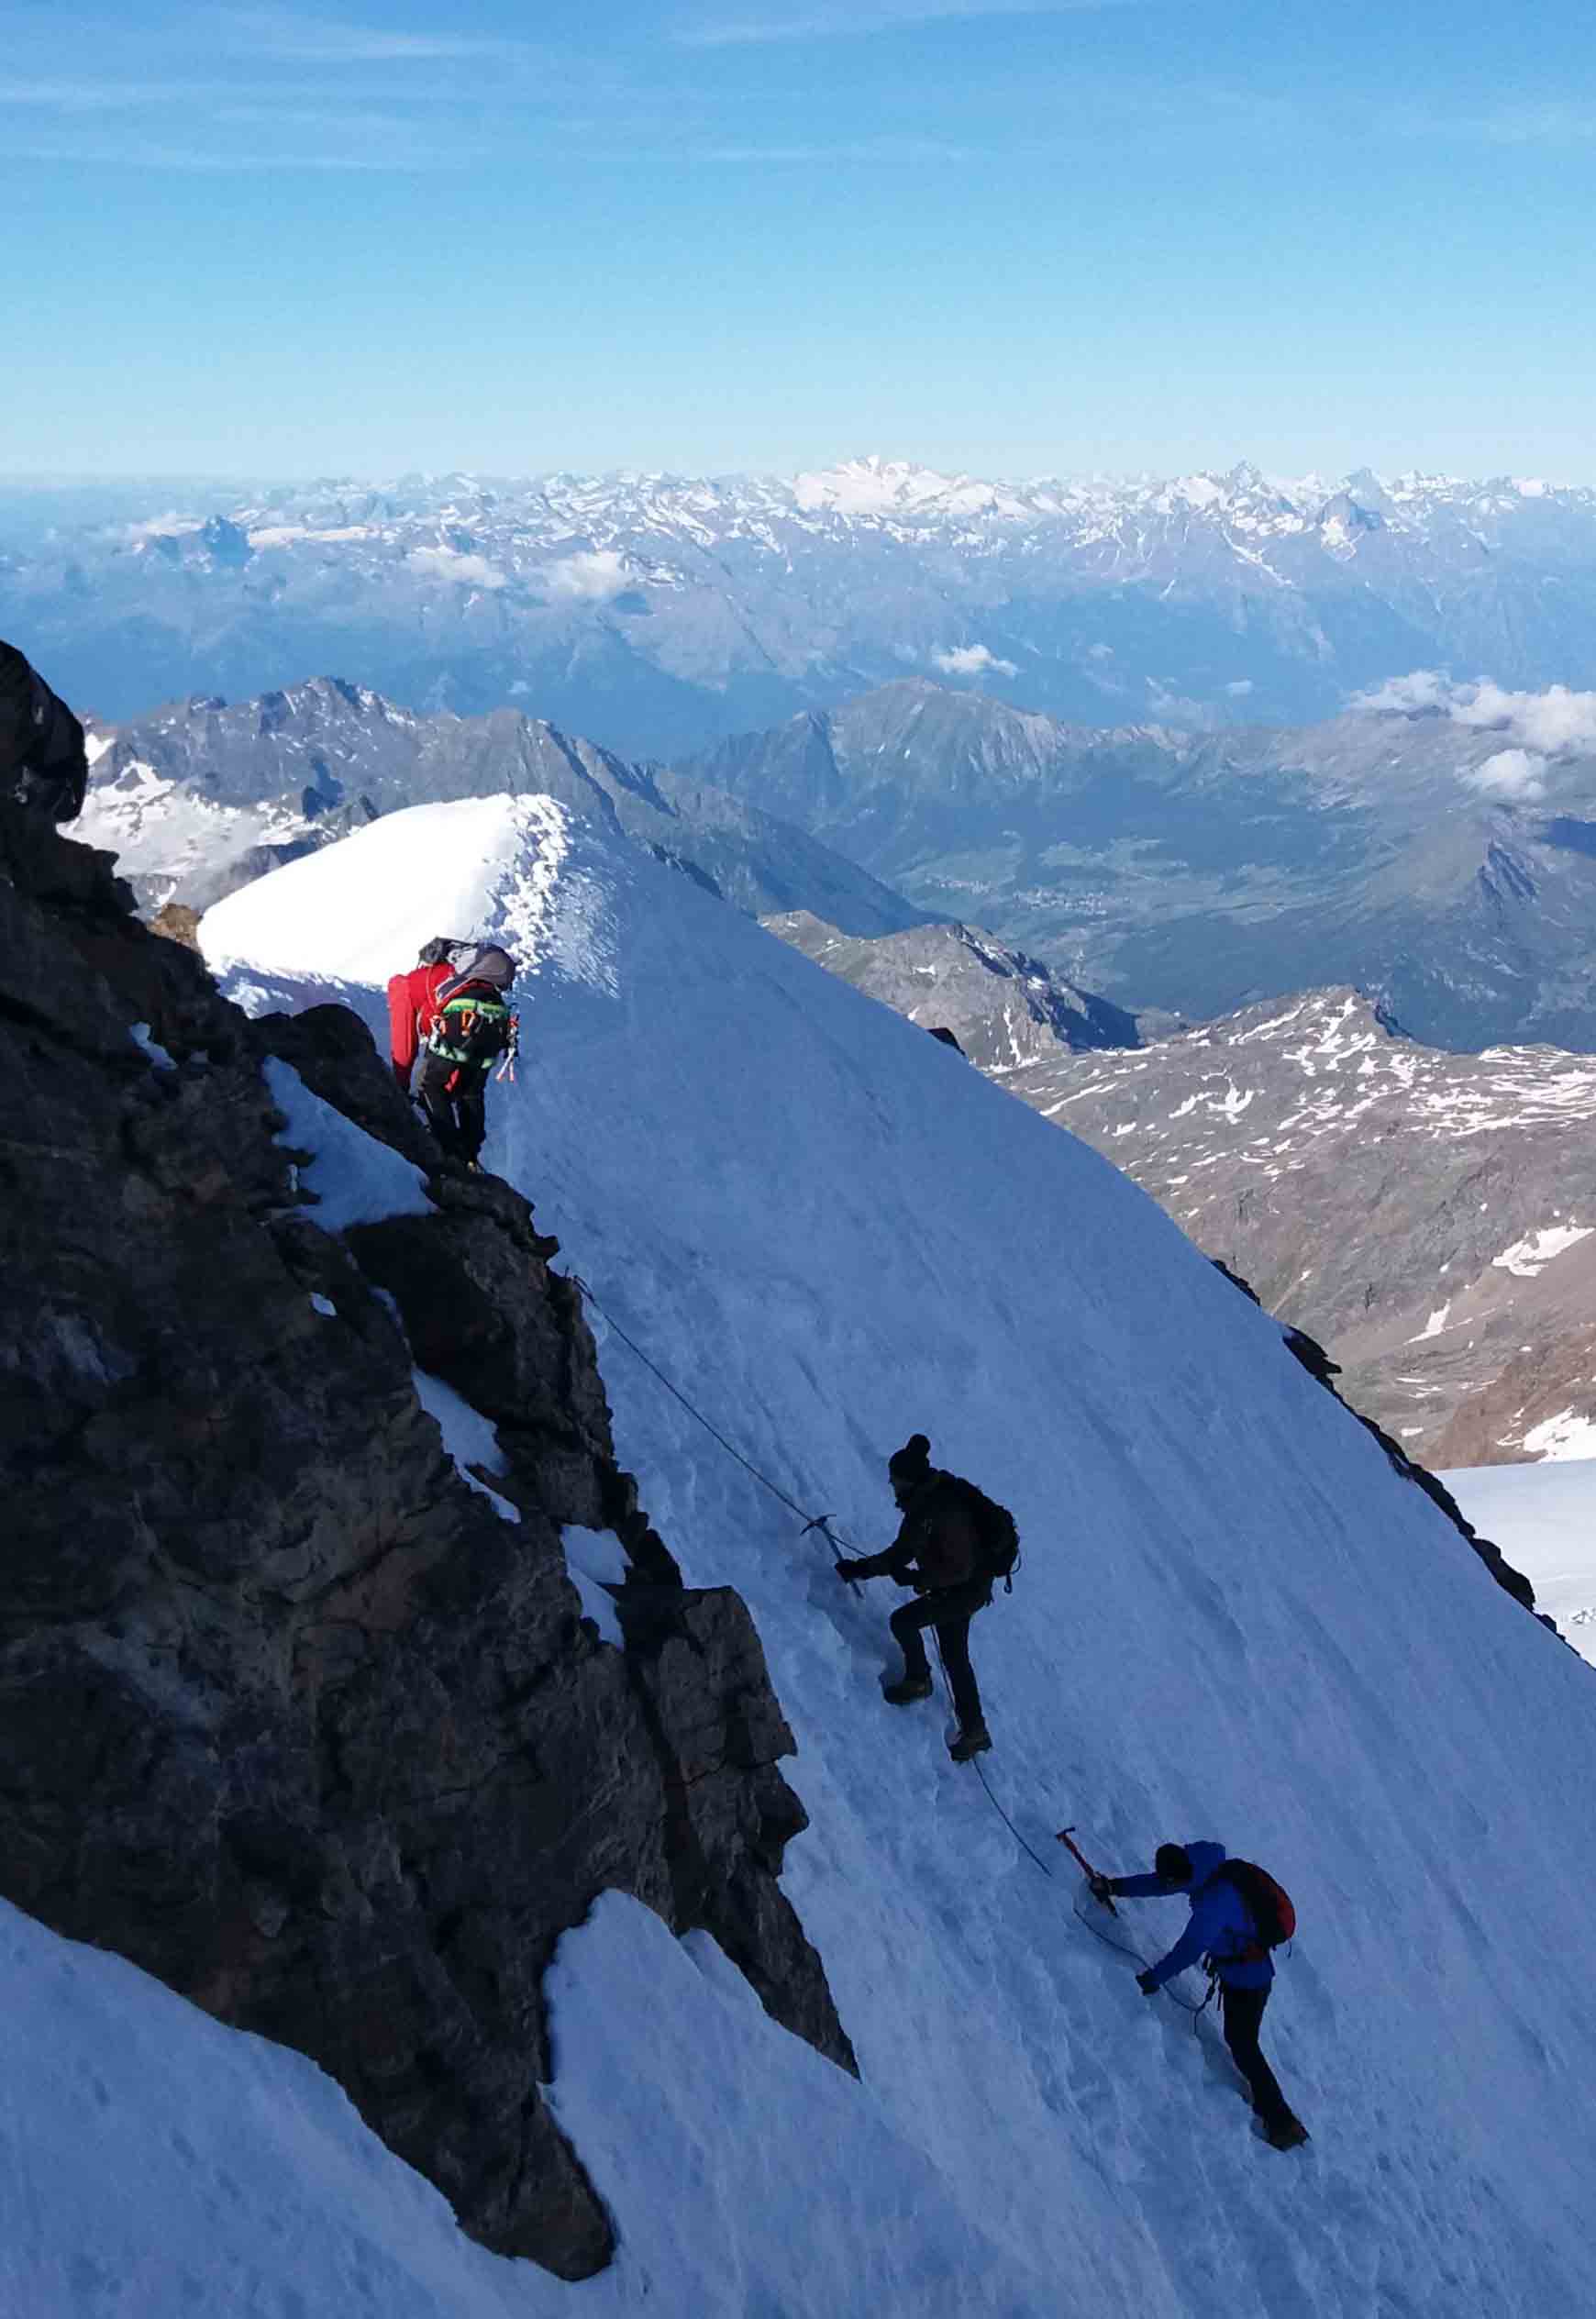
289 1715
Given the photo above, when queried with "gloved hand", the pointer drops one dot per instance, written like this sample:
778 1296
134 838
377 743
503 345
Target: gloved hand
1101 1888
848 1566
1146 1984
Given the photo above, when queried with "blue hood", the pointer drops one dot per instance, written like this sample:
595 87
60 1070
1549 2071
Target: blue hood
1204 1859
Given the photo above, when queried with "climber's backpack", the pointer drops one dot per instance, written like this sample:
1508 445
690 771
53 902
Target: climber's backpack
1268 1903
997 1537
472 962
474 1029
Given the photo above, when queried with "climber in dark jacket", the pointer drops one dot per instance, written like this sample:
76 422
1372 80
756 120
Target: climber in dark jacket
938 1552
1220 1928
43 763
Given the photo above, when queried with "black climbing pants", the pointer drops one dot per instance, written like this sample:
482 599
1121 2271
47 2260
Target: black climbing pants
456 1114
1244 2011
949 1610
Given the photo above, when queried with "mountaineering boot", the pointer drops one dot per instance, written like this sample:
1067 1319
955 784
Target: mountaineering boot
973 1740
905 1692
1286 2134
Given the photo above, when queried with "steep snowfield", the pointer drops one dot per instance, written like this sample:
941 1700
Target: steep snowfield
1231 1621
1544 1518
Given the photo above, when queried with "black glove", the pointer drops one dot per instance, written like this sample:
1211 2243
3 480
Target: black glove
849 1566
1146 1984
1101 1888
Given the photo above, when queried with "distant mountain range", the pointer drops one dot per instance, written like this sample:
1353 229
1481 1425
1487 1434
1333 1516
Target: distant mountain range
1436 848
201 797
660 612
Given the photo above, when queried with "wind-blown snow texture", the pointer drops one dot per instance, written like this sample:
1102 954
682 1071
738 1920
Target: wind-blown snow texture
1232 1620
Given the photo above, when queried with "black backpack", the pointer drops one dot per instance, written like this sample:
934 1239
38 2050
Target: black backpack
997 1535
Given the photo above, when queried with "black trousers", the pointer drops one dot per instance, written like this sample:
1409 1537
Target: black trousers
1244 2011
949 1611
456 1114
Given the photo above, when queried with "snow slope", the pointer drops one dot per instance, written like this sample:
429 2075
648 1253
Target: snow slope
1232 1620
1544 1518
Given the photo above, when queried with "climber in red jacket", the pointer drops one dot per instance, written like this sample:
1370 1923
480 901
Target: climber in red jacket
412 1005
451 1011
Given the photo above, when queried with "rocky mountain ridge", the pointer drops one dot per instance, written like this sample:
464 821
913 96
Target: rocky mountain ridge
662 612
300 1707
200 797
1005 1010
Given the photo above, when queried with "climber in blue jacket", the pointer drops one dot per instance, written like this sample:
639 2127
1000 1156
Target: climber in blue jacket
1221 1929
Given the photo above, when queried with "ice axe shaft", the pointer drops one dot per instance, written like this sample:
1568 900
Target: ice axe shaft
821 1523
1066 1837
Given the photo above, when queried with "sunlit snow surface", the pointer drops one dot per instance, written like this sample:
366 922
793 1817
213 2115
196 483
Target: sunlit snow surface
1232 1620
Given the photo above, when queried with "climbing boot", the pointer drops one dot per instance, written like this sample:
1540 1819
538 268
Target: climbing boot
1286 2134
905 1694
973 1740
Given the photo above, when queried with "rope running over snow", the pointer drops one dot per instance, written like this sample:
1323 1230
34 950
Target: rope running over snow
821 1523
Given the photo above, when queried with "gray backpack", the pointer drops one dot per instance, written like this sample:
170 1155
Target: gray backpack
472 962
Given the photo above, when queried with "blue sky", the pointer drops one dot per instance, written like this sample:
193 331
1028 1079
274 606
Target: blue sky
722 234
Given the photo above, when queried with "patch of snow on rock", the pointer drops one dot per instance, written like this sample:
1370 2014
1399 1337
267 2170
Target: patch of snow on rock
467 1436
1528 1258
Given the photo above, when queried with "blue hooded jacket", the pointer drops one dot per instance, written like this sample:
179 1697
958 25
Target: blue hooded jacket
1221 1921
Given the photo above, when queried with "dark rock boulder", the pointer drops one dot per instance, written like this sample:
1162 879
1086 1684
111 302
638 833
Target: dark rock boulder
291 1715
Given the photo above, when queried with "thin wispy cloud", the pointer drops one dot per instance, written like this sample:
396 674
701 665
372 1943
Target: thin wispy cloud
864 149
831 22
134 151
86 96
286 36
1553 121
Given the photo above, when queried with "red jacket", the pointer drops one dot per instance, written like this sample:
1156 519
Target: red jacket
412 1001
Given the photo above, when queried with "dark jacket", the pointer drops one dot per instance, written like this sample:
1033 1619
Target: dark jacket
43 762
938 1545
1220 1925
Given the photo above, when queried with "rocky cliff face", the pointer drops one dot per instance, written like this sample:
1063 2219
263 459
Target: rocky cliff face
290 1714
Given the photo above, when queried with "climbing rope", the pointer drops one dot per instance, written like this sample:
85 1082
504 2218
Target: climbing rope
1003 1815
1124 1950
821 1523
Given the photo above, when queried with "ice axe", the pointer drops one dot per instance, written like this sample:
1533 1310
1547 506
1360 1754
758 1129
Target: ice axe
821 1523
1066 1837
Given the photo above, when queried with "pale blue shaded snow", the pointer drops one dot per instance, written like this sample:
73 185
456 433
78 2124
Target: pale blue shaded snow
353 1178
596 1558
468 1437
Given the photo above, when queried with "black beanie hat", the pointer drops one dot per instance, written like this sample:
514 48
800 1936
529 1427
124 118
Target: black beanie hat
912 1461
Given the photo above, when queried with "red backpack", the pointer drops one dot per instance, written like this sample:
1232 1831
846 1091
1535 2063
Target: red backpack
1268 1903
